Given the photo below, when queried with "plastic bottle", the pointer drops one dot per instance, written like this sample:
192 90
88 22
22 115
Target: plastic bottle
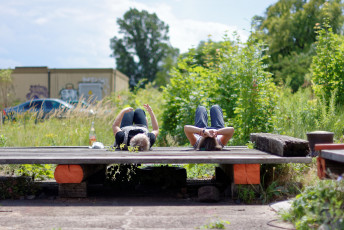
92 136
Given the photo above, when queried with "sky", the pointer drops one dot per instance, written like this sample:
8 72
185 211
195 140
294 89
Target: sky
77 33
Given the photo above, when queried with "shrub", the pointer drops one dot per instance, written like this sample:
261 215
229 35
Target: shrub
327 65
233 78
319 205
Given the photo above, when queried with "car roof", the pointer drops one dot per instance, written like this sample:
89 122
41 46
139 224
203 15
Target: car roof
51 99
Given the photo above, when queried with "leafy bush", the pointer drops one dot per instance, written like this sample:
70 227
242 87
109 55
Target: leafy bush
327 66
233 78
319 205
36 171
250 87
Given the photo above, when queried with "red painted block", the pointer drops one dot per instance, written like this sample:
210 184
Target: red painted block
246 173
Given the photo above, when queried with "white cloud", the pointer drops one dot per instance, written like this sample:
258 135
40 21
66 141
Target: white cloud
67 34
187 33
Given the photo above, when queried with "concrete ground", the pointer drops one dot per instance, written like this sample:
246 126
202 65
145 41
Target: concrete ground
104 209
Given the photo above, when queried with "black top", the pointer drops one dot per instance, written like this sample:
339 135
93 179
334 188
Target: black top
120 137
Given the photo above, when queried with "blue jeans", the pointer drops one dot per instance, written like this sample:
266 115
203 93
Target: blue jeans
137 117
216 117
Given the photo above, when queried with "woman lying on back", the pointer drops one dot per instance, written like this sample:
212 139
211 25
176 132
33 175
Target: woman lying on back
203 137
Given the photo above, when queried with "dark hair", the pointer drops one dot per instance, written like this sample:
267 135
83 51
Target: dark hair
209 144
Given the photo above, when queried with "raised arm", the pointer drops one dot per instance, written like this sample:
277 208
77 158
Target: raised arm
117 123
154 121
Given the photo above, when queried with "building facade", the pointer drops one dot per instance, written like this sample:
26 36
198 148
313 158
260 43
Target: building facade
66 84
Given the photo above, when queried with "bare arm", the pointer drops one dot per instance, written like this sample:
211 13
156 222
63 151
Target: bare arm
227 134
116 124
154 121
190 132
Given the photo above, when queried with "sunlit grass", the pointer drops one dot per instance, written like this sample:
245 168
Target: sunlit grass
70 130
301 112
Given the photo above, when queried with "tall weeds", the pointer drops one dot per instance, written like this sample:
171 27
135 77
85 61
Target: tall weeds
302 112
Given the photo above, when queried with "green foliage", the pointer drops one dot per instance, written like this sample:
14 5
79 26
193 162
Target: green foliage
283 181
302 112
199 171
36 171
6 88
292 70
319 205
217 224
233 78
250 87
273 191
327 66
198 88
3 140
167 64
143 47
246 194
288 30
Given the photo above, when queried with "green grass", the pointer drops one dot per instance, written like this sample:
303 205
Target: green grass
302 112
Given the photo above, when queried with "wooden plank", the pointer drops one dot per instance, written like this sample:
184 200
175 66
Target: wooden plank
281 145
177 156
334 155
328 146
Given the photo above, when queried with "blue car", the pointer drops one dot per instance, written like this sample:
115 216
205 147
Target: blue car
81 103
42 107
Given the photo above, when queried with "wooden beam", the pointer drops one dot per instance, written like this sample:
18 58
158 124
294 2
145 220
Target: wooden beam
281 145
318 147
333 155
161 155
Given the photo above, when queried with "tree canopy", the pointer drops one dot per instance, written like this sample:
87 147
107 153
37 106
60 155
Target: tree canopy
144 50
288 29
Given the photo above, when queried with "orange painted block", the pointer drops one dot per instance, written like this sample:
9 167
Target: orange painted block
69 174
246 173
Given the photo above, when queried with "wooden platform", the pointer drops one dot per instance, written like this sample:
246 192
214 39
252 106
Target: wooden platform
334 155
158 155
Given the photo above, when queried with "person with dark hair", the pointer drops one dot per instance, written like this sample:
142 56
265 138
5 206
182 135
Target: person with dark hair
210 138
131 128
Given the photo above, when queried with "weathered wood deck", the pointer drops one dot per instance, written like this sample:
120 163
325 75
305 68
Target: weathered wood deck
334 155
158 155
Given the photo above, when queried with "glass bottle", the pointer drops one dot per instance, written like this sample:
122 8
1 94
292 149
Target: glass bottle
92 135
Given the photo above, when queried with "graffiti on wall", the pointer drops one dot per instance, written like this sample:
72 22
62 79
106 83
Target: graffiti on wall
104 81
69 93
37 91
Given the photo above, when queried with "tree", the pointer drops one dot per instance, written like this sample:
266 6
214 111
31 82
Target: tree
327 66
288 30
6 87
141 52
